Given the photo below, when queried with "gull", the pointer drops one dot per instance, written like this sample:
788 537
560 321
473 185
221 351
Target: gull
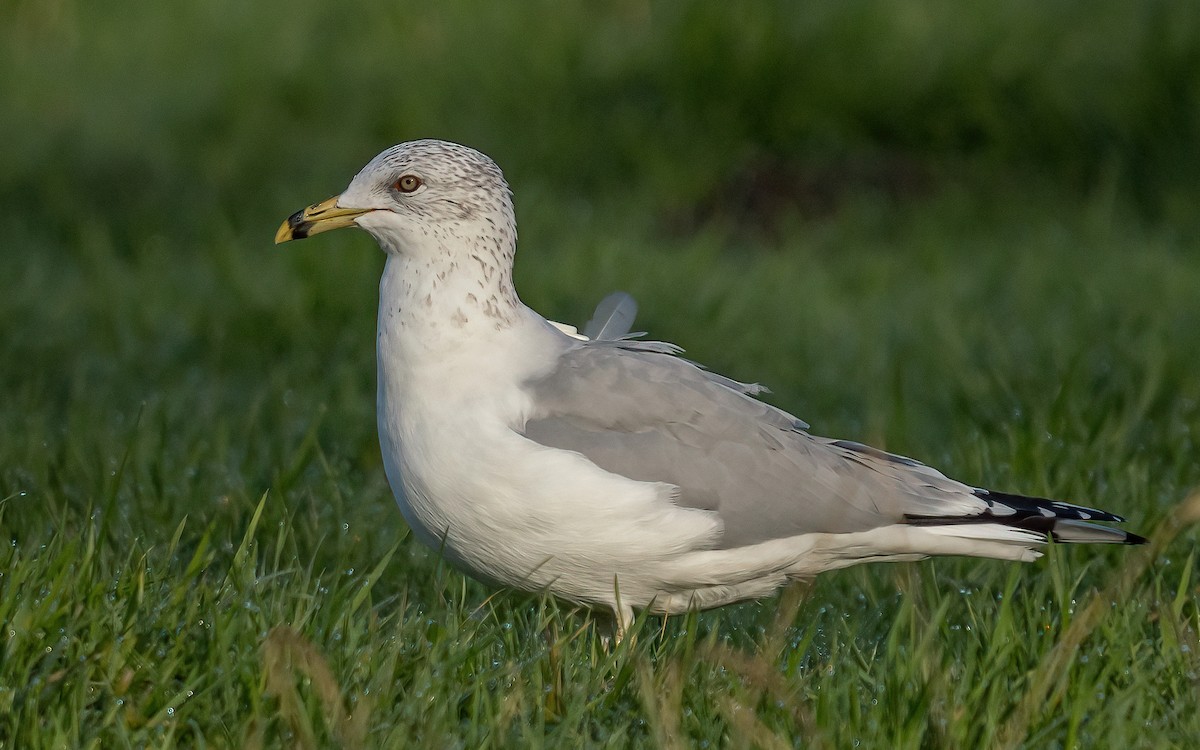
608 470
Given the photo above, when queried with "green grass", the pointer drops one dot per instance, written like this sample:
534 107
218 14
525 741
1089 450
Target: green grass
965 232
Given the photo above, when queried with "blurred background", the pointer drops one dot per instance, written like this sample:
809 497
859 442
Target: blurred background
927 225
963 231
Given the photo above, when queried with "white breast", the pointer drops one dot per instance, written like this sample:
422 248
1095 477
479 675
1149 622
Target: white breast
501 506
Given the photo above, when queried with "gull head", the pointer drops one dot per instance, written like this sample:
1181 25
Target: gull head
417 197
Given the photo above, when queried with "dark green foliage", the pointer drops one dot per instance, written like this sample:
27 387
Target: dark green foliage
962 231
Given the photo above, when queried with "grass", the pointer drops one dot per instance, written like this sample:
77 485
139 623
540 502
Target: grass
962 232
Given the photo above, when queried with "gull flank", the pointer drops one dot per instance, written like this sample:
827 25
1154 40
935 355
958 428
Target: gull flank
607 470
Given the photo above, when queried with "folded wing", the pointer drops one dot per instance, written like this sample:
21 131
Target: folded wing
636 409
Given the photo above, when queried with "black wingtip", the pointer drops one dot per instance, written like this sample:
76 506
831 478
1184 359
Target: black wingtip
1031 505
1131 538
1058 520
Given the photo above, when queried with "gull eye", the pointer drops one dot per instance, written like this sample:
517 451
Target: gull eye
408 183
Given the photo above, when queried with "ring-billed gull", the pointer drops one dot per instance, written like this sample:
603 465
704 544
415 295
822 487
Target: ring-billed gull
610 471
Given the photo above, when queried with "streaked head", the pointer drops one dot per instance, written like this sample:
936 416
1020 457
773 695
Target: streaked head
413 192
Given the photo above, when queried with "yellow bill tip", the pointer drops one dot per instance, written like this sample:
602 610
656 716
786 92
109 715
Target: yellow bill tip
288 229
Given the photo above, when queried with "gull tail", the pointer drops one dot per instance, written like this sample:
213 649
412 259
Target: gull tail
1021 518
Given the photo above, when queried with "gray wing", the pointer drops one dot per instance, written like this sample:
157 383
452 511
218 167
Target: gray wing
635 409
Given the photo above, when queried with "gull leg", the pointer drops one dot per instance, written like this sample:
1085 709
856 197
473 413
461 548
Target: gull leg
612 630
622 613
623 619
